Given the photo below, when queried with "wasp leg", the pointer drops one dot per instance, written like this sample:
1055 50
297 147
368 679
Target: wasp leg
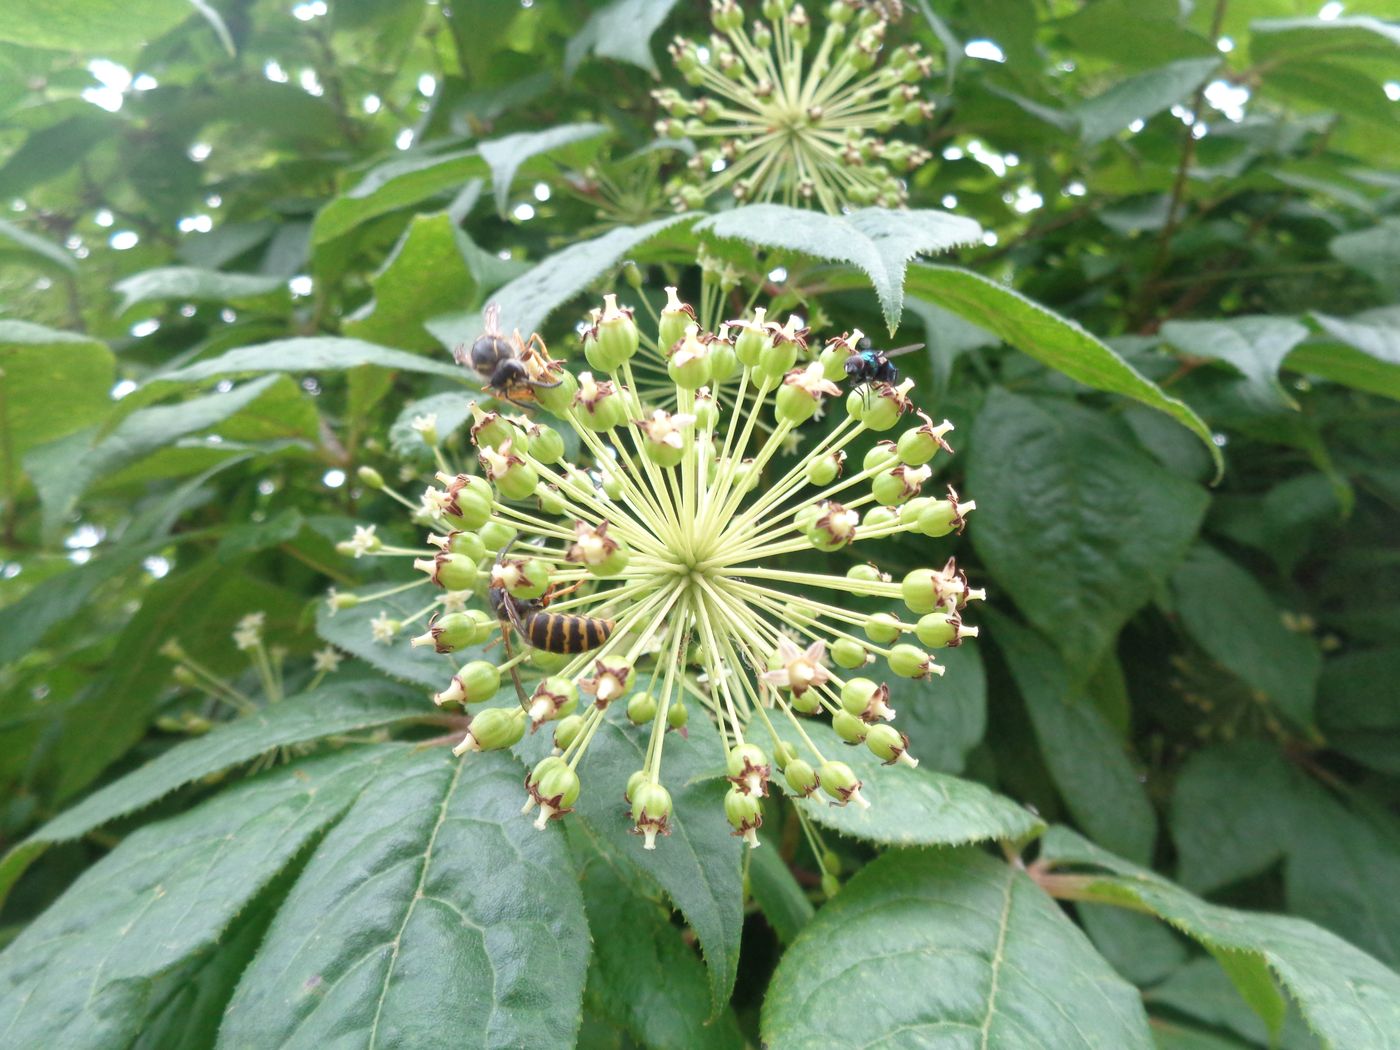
514 670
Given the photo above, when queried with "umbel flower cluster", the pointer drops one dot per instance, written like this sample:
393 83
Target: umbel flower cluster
791 114
672 563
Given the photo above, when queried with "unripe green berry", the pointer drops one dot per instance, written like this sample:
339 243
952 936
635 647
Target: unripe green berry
889 489
633 782
848 653
909 661
801 777
808 703
553 698
841 784
494 729
641 709
557 399
524 577
370 478
495 534
825 469
689 362
848 727
938 629
794 405
833 362
752 341
922 590
551 500
866 573
882 628
881 518
889 744
566 731
783 753
916 447
677 715
881 456
468 543
723 361
831 885
706 412
939 518
745 814
675 316
651 811
546 444
777 359
455 572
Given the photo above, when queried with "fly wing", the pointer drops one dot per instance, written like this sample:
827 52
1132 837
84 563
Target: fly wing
908 349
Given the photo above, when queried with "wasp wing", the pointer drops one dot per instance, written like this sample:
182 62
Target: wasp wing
907 349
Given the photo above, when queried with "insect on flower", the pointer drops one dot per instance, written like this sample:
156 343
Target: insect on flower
675 558
509 366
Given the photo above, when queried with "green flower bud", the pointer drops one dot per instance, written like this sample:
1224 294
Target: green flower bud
641 708
909 661
801 777
495 534
866 573
339 600
676 316
748 769
827 468
370 478
848 727
881 457
849 654
566 731
831 863
841 784
475 682
553 698
830 885
882 628
651 812
494 729
677 715
745 815
557 400
807 703
889 744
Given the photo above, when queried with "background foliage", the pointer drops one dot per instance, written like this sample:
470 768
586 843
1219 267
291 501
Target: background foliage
238 240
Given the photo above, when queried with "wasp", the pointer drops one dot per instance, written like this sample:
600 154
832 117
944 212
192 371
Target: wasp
509 366
868 365
547 631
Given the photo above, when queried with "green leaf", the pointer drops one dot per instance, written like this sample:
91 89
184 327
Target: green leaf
526 301
1359 707
1254 346
1135 34
777 893
944 727
947 948
29 246
1349 999
877 241
1233 619
644 977
1140 948
190 284
1348 366
433 914
349 630
34 363
1201 990
395 184
64 473
621 31
79 975
1141 97
1052 340
76 25
1375 333
1078 526
1087 759
505 155
1375 252
451 410
322 353
909 807
326 712
54 148
698 865
425 274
